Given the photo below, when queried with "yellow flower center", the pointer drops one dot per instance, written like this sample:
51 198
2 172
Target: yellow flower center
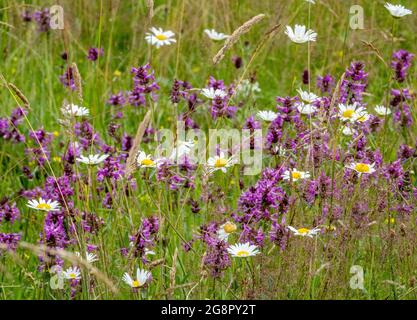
242 253
362 167
147 162
136 284
361 119
161 37
229 227
303 231
348 113
220 163
72 275
43 206
296 175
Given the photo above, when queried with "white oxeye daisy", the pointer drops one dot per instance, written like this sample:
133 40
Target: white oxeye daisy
397 11
225 230
74 110
300 34
350 112
243 250
307 97
361 168
142 276
214 35
267 115
246 87
157 37
348 131
220 162
90 257
145 161
213 93
92 159
311 1
45 205
181 149
382 111
304 232
306 108
72 273
295 175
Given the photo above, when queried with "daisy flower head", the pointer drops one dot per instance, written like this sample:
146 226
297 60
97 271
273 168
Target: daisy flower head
72 273
295 175
142 277
90 257
300 34
145 161
382 111
350 112
311 1
220 162
397 11
267 115
213 93
243 250
304 232
362 168
225 230
44 205
74 110
214 35
306 108
158 37
182 148
307 97
92 159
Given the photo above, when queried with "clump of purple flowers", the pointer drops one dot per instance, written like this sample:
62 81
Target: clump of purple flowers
144 239
9 126
43 19
94 53
354 84
144 84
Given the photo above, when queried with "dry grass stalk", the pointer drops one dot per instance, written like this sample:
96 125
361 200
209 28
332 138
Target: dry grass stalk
42 250
150 4
172 274
268 35
371 46
130 162
235 36
77 80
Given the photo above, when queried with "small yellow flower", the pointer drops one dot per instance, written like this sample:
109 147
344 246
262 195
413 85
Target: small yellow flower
390 221
57 159
55 133
117 73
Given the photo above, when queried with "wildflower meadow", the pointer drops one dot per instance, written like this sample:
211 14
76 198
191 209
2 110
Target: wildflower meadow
208 150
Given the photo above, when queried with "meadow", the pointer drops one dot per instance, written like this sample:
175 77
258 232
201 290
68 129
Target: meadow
90 210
